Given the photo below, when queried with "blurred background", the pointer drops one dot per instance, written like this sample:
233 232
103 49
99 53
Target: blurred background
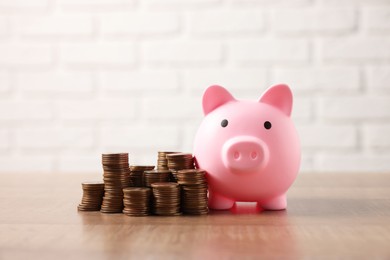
82 77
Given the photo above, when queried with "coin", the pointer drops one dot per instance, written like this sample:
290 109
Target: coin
137 201
162 161
194 191
174 187
180 161
166 198
136 174
156 176
92 196
116 176
141 167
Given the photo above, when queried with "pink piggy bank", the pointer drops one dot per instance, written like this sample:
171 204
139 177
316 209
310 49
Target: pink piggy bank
249 149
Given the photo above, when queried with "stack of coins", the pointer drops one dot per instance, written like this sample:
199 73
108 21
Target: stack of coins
162 161
156 176
166 198
137 201
116 177
92 196
194 191
136 174
179 161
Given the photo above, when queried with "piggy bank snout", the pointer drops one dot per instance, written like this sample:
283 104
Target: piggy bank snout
244 153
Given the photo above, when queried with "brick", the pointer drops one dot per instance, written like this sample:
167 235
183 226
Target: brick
353 163
25 110
4 81
63 137
26 163
180 3
96 5
325 136
140 137
173 108
25 54
232 79
98 54
378 78
136 23
57 82
312 20
376 19
226 22
197 53
355 108
353 3
377 135
5 137
80 163
273 3
362 49
97 110
54 25
269 51
23 5
328 79
139 81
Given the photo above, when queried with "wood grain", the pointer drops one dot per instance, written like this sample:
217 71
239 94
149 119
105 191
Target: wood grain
329 216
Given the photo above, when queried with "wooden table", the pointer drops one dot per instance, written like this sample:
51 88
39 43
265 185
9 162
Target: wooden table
328 216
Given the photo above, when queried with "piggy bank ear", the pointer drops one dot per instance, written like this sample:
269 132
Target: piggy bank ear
215 96
278 96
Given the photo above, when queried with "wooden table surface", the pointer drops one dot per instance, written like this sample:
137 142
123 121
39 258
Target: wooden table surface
328 216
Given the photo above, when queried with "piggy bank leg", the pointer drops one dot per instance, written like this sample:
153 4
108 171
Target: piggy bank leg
217 201
277 203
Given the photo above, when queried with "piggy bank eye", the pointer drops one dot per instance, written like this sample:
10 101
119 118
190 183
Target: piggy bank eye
267 125
224 123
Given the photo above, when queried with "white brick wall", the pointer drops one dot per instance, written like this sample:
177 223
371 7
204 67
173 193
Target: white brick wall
97 54
55 82
365 49
53 25
251 51
375 19
150 24
55 138
232 22
312 79
319 21
95 111
23 5
180 53
376 137
378 78
22 112
19 54
150 82
82 77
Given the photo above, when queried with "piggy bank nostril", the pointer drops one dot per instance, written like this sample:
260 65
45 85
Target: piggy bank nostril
253 155
244 153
